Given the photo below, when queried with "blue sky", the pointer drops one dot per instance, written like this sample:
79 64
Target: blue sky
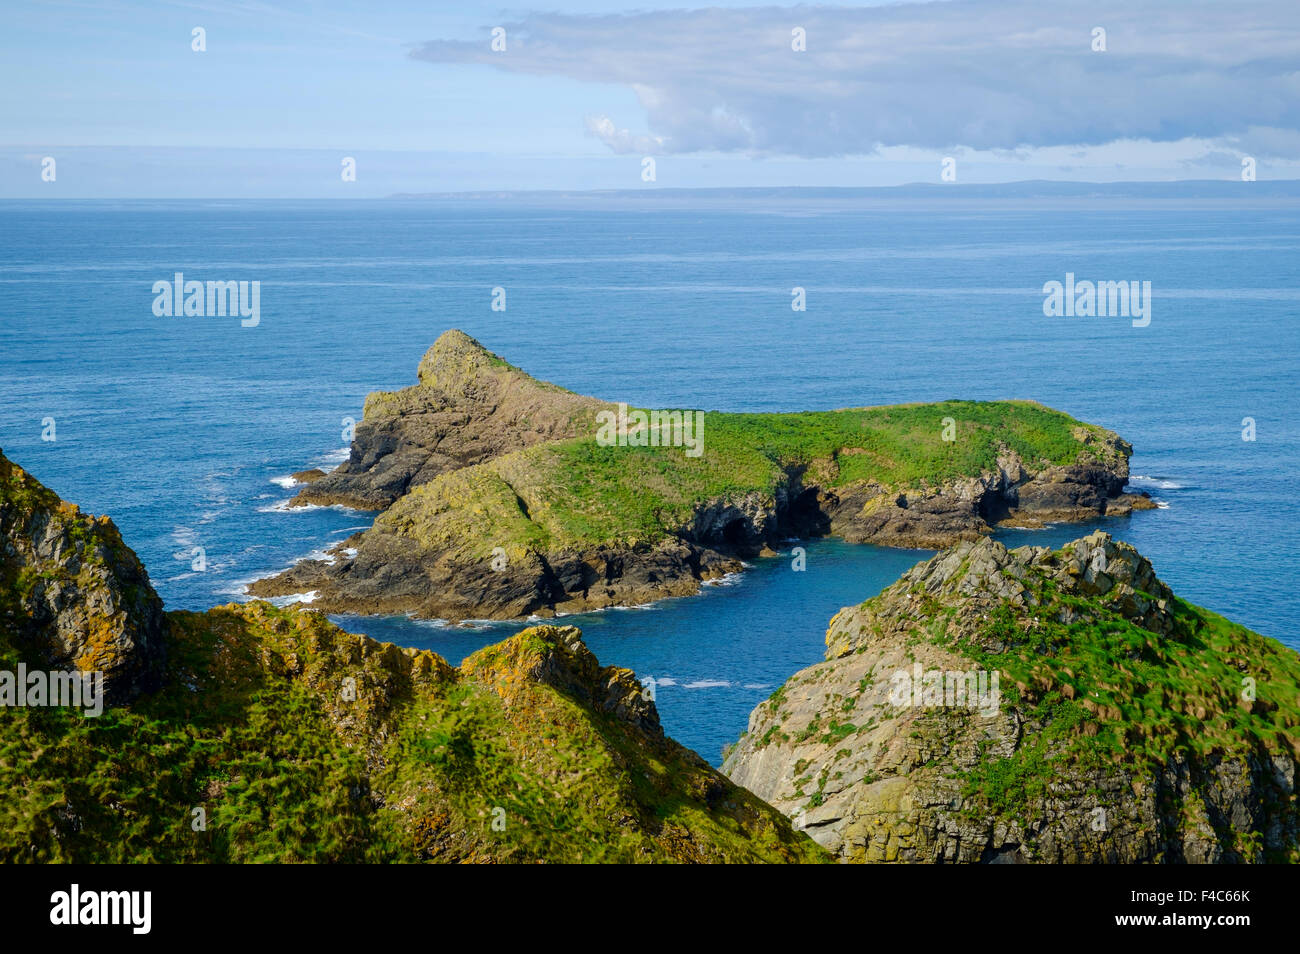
1012 89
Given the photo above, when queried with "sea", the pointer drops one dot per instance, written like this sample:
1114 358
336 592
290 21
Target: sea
185 430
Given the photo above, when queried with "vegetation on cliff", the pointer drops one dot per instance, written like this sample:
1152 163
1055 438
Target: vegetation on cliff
576 522
577 493
272 735
1130 724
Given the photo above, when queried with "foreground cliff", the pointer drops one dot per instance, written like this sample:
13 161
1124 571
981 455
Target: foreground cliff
506 503
250 733
1124 725
72 595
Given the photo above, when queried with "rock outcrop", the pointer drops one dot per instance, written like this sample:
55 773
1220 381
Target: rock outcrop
967 508
1024 705
72 595
249 733
468 407
502 504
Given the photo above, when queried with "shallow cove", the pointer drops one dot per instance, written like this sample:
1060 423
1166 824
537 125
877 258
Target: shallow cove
716 655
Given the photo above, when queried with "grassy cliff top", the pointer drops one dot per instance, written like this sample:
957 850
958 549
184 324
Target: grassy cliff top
458 367
1089 634
271 735
577 493
304 743
1108 666
1128 724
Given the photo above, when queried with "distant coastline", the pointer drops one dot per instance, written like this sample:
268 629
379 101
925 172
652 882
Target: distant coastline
1217 191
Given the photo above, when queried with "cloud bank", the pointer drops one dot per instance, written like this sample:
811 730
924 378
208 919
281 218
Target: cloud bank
979 74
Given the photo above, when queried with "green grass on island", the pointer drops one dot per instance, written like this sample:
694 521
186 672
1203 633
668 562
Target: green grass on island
577 493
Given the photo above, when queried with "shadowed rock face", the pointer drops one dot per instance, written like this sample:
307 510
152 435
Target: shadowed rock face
469 461
72 595
468 407
971 507
1122 728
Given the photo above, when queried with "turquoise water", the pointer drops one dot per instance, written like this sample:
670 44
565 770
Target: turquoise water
179 427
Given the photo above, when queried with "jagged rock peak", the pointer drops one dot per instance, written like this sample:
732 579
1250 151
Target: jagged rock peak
556 656
1093 566
453 356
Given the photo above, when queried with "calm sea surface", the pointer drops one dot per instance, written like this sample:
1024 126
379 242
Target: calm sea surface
184 429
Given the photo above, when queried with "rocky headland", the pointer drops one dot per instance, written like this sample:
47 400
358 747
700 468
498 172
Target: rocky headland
1124 725
468 407
499 501
249 733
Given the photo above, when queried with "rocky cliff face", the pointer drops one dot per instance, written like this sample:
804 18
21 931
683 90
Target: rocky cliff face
501 506
72 595
250 733
468 407
1124 725
934 516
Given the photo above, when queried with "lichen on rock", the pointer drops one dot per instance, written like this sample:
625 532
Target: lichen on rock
72 595
1129 725
292 740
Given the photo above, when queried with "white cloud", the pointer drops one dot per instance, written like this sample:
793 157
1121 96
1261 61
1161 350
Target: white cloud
987 75
622 141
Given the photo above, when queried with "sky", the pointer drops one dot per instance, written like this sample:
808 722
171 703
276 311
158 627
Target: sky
578 94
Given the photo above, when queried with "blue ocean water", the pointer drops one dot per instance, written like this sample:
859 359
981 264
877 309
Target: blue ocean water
179 428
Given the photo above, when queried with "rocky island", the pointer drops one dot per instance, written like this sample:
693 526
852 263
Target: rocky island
1032 705
254 734
499 500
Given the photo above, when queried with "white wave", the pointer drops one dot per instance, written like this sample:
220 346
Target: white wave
282 506
408 617
666 681
430 623
321 555
729 579
308 597
1161 505
288 481
1159 483
708 684
628 607
757 685
336 457
239 588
